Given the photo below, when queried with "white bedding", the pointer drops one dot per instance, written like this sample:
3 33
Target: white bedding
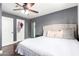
48 47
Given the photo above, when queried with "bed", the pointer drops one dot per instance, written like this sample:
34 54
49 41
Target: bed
57 40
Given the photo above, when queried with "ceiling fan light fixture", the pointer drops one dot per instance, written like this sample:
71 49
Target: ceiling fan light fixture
25 12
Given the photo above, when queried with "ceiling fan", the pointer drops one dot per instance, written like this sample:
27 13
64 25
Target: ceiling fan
25 7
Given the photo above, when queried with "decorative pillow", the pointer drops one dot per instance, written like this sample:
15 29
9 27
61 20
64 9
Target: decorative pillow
51 34
59 34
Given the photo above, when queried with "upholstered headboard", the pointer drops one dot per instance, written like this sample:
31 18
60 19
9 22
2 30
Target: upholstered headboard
59 27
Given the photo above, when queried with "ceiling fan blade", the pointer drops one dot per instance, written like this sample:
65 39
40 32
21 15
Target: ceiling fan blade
33 11
29 5
17 9
32 4
19 4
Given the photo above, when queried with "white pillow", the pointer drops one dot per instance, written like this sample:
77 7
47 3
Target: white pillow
44 33
65 34
68 34
55 34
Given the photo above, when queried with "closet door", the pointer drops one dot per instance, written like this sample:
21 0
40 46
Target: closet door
7 31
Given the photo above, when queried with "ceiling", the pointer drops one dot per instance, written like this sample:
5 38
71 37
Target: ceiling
43 8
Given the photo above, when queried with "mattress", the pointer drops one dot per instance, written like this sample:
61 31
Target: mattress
44 46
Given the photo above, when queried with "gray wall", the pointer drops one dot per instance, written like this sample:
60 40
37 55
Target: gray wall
78 21
67 16
27 31
14 21
0 26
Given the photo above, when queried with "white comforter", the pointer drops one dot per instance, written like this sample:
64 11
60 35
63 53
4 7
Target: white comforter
49 46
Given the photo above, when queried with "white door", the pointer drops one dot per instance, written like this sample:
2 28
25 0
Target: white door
20 28
7 31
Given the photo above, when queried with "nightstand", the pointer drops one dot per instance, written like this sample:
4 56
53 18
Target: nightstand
38 35
78 39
